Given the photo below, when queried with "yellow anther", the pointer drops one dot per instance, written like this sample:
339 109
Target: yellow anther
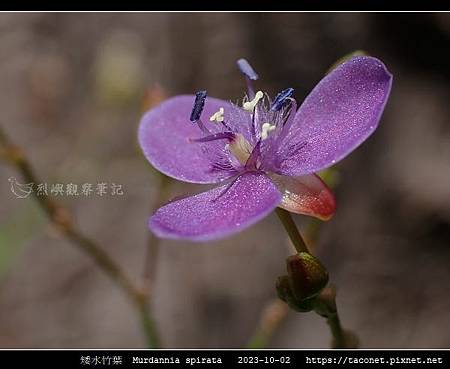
217 116
250 105
266 128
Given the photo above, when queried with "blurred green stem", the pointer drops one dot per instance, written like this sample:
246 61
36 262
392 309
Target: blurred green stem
276 310
163 188
292 230
270 319
149 325
325 306
62 220
162 195
336 330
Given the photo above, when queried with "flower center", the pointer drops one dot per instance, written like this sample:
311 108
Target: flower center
245 149
240 148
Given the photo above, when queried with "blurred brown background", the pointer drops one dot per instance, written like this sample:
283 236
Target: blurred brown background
72 90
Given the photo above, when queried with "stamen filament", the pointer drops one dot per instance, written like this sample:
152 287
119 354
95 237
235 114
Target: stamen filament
203 128
250 75
250 88
217 136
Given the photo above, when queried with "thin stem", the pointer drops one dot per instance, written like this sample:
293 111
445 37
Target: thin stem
292 230
326 307
151 256
327 299
336 330
149 326
276 311
104 261
62 220
261 337
270 319
161 196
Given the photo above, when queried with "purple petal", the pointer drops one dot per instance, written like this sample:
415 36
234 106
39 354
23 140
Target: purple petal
164 134
218 212
337 116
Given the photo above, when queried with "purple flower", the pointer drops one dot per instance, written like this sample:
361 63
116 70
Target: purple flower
263 153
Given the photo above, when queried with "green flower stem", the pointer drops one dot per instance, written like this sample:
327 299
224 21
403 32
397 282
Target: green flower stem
326 306
292 230
272 316
62 220
163 192
326 301
262 336
336 330
149 326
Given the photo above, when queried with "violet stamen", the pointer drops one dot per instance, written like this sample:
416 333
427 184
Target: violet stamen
252 106
197 110
199 104
250 75
217 136
281 98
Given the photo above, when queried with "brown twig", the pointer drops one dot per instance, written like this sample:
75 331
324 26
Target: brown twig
271 318
162 194
62 220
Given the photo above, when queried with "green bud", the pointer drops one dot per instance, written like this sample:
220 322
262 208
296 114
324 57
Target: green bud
285 294
306 275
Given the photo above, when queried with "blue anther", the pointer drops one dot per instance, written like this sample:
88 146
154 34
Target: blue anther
247 70
281 98
199 103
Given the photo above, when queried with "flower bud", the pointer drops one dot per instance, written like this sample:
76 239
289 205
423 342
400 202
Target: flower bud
285 294
306 275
